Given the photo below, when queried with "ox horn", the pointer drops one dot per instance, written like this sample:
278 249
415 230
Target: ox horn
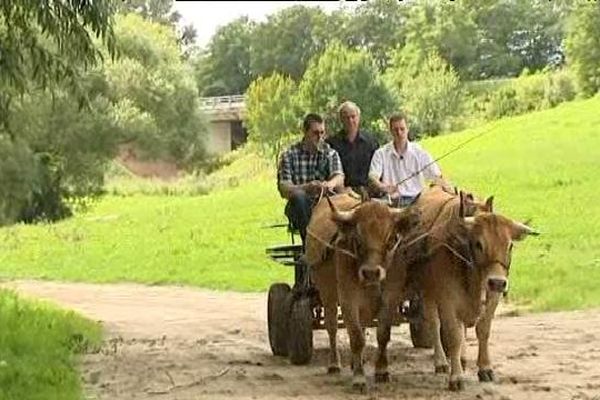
340 216
521 230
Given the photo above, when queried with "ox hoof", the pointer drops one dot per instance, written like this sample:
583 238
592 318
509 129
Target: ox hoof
441 369
359 384
486 375
333 370
456 384
382 377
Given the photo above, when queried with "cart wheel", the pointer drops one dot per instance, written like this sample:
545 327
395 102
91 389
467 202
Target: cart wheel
420 335
300 343
278 316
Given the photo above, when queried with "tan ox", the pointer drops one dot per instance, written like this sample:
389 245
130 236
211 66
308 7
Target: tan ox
351 273
436 208
467 258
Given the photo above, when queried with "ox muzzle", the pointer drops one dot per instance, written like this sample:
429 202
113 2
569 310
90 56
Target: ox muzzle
370 276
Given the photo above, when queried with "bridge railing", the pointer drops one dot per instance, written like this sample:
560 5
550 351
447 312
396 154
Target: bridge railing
222 101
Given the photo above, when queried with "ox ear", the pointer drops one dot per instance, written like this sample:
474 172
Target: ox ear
405 219
520 231
489 204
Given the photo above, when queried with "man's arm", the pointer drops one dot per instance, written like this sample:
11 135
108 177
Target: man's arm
336 172
285 182
434 173
375 173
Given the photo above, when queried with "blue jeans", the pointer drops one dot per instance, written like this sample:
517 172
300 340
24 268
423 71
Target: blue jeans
299 210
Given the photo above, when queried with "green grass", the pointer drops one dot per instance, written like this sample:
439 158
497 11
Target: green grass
545 167
38 347
542 166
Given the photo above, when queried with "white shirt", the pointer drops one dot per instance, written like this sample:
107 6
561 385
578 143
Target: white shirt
389 167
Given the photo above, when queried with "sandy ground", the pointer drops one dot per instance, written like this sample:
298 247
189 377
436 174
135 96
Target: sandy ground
181 343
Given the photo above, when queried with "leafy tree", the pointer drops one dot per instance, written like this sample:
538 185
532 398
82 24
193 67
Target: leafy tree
42 43
583 47
44 50
342 74
430 97
272 115
154 93
288 40
162 12
225 67
378 26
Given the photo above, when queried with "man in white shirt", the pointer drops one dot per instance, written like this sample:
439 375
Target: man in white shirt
399 168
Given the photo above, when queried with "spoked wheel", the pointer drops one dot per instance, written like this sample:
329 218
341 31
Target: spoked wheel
278 313
300 343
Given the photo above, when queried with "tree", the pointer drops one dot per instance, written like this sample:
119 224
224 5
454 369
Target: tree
224 68
583 47
43 43
154 93
342 74
45 49
430 97
273 116
378 27
288 40
162 12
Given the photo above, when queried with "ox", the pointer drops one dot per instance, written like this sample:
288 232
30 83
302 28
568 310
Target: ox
352 273
468 257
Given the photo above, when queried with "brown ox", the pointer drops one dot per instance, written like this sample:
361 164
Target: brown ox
468 258
351 273
436 208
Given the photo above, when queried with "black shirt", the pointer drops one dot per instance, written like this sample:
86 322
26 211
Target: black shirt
355 156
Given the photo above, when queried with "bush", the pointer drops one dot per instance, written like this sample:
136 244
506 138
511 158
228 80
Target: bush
583 47
431 97
530 93
272 116
341 74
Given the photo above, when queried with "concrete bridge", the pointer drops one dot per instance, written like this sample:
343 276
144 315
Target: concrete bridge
225 117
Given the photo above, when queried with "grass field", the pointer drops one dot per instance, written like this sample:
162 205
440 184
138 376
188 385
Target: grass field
38 349
543 166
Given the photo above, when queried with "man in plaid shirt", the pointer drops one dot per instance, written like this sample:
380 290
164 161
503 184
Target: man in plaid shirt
305 170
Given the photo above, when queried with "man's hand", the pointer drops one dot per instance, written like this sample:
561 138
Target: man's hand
390 189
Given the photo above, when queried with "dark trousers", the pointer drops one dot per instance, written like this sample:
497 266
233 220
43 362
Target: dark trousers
299 210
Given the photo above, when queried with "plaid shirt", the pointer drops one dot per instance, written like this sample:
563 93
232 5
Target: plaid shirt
299 166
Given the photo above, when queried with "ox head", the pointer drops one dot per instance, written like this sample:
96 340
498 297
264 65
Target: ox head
370 232
491 237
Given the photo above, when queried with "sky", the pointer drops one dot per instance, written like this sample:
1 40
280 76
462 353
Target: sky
207 16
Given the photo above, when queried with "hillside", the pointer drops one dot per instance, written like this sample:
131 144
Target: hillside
541 167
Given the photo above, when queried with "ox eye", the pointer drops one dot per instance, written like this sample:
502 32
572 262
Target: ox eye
479 245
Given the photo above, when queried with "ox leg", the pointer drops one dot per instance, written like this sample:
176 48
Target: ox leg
331 323
432 320
463 350
324 278
384 328
483 327
453 335
357 346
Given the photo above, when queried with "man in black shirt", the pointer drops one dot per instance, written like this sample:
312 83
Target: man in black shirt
354 146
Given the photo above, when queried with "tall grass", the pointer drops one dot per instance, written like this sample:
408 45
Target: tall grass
541 166
38 350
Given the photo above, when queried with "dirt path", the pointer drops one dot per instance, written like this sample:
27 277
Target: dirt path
180 343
